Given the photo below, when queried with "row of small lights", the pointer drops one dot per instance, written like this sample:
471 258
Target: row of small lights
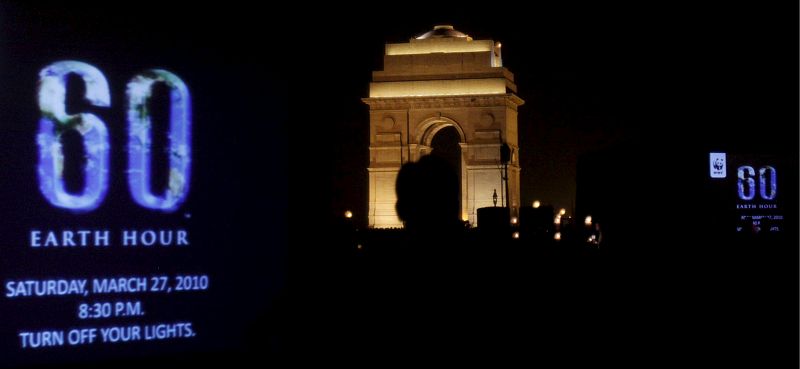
536 204
557 236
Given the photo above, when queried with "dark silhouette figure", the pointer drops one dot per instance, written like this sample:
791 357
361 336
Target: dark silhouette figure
428 276
428 200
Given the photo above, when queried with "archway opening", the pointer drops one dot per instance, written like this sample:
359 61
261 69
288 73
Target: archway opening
445 144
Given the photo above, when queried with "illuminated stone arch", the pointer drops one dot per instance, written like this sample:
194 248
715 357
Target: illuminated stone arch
438 80
427 130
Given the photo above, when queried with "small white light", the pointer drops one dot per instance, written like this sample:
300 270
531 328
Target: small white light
348 214
536 204
514 220
557 219
515 235
359 247
588 220
562 211
557 236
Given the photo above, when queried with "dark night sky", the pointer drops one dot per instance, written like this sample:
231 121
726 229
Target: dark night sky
665 78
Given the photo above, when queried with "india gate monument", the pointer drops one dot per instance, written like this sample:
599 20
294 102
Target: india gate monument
443 81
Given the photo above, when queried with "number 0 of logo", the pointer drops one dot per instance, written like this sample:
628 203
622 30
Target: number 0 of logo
55 122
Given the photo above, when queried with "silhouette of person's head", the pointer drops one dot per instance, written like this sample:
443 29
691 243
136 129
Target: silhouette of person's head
428 196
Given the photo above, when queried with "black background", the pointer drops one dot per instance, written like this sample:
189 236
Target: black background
642 93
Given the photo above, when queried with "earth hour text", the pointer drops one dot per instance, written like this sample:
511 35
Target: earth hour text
105 238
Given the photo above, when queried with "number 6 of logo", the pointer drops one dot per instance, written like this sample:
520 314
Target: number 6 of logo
55 121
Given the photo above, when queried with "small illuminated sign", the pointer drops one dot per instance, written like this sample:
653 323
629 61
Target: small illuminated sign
717 165
752 193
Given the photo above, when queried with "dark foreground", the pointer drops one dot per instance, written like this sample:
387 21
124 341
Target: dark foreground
401 298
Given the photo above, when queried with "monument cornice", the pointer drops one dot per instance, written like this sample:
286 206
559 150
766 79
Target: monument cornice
431 102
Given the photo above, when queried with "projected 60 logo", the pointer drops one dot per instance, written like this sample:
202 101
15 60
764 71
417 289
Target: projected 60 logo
55 121
746 183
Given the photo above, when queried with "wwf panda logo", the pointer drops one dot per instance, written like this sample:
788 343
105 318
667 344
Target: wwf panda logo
719 163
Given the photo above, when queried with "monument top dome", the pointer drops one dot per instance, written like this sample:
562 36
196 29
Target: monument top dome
443 31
